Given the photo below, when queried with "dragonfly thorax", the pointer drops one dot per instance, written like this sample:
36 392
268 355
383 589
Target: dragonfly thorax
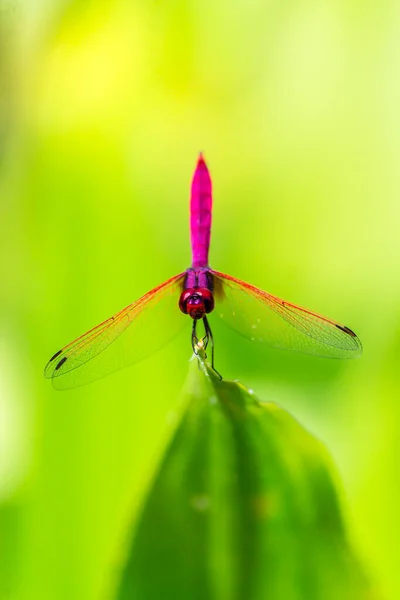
196 302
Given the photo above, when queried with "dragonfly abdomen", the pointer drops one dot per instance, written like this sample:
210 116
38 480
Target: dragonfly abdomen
200 214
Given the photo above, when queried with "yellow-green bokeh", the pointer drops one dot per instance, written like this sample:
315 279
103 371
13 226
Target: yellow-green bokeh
104 107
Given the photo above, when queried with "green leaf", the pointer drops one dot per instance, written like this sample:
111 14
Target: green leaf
243 508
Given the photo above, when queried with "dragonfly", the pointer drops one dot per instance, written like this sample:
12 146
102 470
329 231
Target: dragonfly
156 318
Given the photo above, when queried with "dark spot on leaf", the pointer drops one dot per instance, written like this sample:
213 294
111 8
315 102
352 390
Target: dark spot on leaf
55 356
62 361
346 330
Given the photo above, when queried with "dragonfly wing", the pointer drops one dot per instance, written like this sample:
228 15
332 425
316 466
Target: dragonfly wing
261 317
132 334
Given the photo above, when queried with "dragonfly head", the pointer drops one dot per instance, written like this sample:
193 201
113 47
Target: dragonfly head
196 302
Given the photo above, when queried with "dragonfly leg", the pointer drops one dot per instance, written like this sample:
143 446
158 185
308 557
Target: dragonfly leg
209 337
195 339
199 344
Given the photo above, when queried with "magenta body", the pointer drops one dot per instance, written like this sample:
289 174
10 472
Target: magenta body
198 277
200 214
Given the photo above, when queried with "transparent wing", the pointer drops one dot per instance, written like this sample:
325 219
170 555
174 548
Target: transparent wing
261 317
132 334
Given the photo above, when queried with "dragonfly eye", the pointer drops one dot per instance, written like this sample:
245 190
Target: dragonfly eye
185 297
196 302
208 299
195 306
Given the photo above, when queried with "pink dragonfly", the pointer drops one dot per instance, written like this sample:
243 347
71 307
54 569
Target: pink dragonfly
154 319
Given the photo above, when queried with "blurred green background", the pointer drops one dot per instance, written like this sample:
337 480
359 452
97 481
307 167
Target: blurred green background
103 109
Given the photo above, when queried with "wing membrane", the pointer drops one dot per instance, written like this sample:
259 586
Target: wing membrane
130 335
264 318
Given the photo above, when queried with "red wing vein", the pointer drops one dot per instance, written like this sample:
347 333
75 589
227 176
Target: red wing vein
93 342
247 310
